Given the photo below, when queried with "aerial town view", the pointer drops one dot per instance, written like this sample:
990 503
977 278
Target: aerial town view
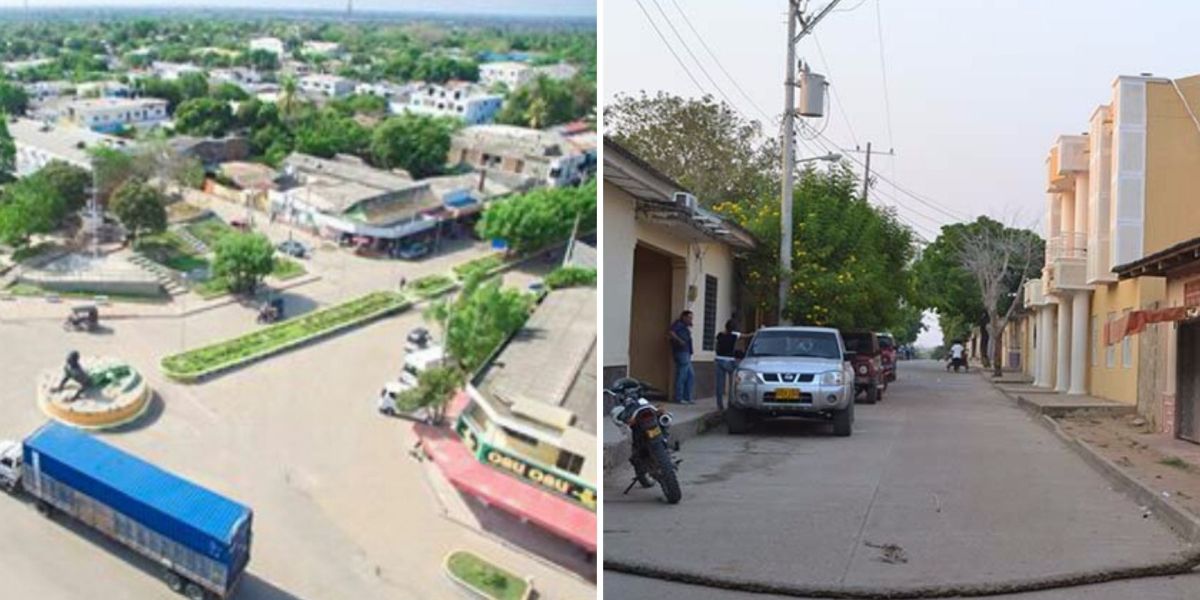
298 304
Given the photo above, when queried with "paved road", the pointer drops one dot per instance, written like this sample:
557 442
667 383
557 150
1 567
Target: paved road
945 468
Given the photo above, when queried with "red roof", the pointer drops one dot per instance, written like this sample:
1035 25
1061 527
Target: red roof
546 510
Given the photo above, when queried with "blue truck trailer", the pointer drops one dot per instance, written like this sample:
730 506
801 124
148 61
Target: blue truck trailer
200 538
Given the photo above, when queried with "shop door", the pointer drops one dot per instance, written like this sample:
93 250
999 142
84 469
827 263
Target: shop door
1187 372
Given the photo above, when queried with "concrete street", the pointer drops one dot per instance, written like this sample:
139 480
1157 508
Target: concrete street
341 509
945 468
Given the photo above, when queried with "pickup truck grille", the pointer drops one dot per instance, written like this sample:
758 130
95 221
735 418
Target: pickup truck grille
787 377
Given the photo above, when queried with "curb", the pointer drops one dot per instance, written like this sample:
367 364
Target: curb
1175 517
617 453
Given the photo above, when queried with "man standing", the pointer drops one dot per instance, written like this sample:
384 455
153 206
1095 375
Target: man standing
726 361
680 336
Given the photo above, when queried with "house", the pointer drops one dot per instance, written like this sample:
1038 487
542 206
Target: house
239 76
549 157
510 73
269 44
171 71
331 86
39 143
114 114
559 71
460 100
319 48
531 419
398 94
103 89
1120 202
662 255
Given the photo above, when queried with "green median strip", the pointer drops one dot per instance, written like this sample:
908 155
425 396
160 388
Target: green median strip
431 286
484 578
208 360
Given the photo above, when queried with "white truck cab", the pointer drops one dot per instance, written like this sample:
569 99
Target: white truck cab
415 363
10 464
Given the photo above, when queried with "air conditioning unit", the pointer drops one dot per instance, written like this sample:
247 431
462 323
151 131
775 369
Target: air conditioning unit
685 200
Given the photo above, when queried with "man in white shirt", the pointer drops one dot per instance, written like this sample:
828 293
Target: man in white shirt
956 355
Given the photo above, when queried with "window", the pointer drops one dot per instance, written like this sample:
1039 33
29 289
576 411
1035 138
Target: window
567 461
710 312
1126 345
517 435
1110 351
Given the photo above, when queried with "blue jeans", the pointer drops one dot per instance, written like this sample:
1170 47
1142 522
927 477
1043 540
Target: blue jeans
725 368
685 377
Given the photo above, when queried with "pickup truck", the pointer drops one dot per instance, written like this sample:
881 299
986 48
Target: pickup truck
201 539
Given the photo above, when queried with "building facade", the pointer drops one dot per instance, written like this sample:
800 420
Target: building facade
114 114
549 157
269 44
510 73
461 101
331 86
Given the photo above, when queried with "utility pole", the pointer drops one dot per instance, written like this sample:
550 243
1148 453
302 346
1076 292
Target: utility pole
788 140
867 170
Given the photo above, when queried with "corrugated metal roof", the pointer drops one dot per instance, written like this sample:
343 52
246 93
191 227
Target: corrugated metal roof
206 511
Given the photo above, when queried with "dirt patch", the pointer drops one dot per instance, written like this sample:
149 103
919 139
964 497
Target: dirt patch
1128 442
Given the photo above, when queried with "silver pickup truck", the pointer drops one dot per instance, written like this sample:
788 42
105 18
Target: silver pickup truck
794 372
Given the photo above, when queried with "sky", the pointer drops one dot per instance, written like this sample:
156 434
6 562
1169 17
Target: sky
976 90
568 8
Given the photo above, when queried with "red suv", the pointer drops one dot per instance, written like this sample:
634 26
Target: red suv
887 350
867 361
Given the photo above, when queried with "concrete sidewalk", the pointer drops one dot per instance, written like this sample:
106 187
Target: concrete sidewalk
690 420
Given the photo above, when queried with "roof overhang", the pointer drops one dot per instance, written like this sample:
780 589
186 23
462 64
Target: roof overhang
1163 263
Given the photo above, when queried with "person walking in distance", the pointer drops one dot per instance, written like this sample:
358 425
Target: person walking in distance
680 337
726 361
957 356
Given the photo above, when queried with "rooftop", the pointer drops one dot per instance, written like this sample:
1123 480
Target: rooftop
116 103
61 140
510 139
308 166
549 366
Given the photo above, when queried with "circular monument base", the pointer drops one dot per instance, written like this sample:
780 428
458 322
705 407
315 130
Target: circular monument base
120 395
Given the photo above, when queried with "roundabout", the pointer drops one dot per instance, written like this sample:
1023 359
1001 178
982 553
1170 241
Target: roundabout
93 392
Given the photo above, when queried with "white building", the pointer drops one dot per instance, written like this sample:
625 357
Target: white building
322 48
171 71
396 93
270 44
511 74
463 101
112 114
39 143
239 76
327 85
561 71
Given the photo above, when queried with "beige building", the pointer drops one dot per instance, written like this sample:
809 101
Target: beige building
662 254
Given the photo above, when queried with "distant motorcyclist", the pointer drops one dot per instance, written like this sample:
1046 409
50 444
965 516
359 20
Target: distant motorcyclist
957 356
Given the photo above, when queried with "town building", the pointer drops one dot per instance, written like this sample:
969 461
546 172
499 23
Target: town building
331 86
171 71
321 48
460 100
510 73
1119 202
114 114
554 158
663 254
270 44
558 71
240 76
39 143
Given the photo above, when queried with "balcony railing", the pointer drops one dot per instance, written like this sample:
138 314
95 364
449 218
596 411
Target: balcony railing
1066 245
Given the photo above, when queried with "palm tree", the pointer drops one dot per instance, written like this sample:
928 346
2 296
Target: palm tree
289 94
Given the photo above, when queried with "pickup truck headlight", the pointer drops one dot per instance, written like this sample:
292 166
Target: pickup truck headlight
831 378
745 376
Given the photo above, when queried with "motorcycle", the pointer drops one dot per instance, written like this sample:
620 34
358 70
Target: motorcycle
956 364
651 455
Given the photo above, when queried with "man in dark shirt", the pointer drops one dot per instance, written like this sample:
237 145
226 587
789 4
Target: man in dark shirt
725 362
680 336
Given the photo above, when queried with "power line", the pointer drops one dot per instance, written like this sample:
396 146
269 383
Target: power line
669 48
852 8
690 53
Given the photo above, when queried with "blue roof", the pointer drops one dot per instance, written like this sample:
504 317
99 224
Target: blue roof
119 479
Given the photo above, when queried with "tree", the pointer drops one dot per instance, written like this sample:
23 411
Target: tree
329 132
416 143
435 388
155 87
229 92
70 182
704 145
13 99
207 117
140 207
193 85
539 104
540 217
28 207
480 317
8 150
289 95
263 60
1001 260
243 259
112 168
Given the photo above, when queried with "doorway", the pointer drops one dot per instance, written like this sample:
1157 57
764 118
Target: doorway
1187 384
650 317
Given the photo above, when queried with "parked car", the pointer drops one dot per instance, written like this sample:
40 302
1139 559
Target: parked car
293 248
869 378
417 339
888 354
414 251
793 372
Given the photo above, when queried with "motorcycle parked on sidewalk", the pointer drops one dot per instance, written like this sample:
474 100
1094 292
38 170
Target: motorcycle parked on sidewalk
651 452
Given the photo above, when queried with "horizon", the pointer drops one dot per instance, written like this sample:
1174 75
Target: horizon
564 9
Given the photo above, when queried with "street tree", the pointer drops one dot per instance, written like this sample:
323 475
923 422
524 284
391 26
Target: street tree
27 207
435 388
243 260
704 145
479 318
140 206
539 217
416 143
8 151
13 98
206 117
70 182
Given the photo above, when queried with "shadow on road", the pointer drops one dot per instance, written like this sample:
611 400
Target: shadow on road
533 540
153 412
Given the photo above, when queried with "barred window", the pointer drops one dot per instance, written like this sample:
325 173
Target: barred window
710 313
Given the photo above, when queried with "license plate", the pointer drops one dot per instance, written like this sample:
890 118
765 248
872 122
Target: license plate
787 394
653 432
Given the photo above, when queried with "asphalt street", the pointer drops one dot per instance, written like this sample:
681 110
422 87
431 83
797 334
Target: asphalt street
944 482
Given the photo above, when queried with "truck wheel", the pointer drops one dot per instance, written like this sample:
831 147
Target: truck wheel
666 474
45 508
194 592
174 581
737 420
871 396
843 421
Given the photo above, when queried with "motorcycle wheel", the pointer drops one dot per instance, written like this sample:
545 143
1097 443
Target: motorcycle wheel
666 474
